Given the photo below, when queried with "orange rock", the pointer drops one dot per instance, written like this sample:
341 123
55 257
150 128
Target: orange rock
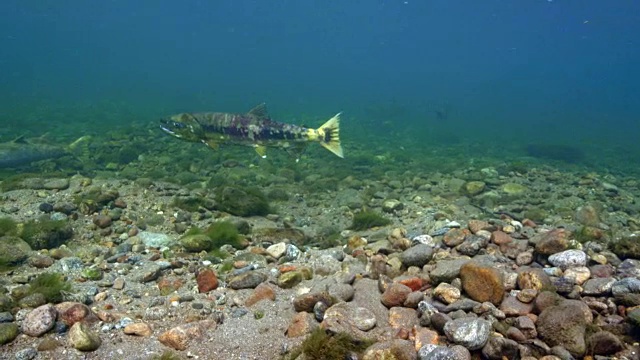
414 283
180 336
500 238
302 323
286 268
139 329
207 280
262 292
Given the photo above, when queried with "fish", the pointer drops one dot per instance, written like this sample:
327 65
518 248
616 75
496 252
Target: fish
20 152
255 129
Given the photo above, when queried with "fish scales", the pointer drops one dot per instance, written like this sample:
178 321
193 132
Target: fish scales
250 127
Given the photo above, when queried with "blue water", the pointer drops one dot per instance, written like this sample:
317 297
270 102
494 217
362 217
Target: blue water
561 71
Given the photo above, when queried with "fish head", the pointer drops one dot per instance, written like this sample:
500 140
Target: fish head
184 126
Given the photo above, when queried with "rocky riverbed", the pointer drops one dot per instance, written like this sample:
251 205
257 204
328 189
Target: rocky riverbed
477 263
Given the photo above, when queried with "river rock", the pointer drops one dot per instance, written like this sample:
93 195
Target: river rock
564 325
82 338
482 282
568 259
39 320
472 333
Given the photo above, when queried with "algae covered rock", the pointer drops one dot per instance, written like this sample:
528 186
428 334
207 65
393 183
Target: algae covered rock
13 251
473 188
45 233
8 332
514 189
242 201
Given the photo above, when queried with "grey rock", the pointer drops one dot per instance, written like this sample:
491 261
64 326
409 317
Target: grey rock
472 244
26 354
349 318
436 352
56 184
446 270
156 240
417 255
568 259
598 286
498 348
626 286
149 272
472 333
628 268
5 317
39 321
247 280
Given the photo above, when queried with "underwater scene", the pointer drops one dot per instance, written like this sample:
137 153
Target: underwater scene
308 180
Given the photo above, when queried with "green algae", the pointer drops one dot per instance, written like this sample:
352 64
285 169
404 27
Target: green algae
627 247
322 345
218 234
167 355
367 219
8 226
51 285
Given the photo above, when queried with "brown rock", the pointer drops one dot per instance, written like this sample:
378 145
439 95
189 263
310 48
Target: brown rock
477 225
402 317
102 221
306 302
564 325
180 336
604 343
395 295
139 329
423 336
454 237
71 313
482 282
303 323
511 306
552 242
207 280
168 285
500 238
262 292
546 299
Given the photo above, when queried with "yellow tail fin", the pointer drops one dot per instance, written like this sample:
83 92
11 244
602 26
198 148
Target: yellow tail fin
330 135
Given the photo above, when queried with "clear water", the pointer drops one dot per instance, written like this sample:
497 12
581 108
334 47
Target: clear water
488 75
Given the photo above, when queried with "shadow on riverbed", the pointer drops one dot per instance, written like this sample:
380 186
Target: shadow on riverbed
566 153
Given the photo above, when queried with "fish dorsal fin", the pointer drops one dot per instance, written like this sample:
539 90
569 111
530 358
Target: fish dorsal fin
260 111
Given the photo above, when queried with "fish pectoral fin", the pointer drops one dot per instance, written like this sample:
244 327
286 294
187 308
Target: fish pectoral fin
296 150
212 144
261 150
260 111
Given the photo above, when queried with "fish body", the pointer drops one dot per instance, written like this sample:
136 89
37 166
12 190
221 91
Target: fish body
20 152
255 129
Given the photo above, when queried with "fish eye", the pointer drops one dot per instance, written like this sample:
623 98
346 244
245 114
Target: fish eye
178 125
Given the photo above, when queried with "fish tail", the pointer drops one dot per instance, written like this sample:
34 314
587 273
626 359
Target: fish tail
329 135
